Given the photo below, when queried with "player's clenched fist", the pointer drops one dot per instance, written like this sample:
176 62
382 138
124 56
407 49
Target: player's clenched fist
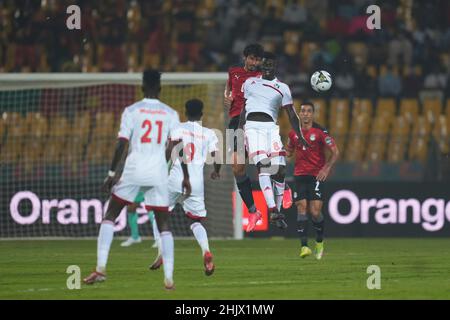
227 101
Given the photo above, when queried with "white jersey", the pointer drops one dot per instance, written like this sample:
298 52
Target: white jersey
147 125
266 96
198 142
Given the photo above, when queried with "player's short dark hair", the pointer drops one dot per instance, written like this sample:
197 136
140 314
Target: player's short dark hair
308 103
269 55
151 78
254 49
194 108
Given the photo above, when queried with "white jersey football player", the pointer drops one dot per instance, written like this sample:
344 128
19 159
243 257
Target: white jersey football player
197 142
265 95
146 126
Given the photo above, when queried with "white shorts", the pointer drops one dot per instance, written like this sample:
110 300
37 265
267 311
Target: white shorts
263 141
155 197
194 205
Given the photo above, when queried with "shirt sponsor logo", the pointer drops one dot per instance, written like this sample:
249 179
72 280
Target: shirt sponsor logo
312 137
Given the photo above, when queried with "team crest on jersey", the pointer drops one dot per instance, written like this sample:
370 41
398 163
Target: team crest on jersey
312 137
328 140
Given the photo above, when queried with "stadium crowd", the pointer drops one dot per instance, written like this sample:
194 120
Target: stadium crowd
408 53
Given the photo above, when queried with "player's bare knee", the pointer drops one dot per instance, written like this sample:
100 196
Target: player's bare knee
162 221
301 207
113 210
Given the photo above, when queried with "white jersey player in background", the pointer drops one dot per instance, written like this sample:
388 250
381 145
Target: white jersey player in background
265 95
197 143
146 126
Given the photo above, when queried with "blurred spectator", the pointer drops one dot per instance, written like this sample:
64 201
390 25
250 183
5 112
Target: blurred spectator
400 50
412 82
389 84
294 16
344 83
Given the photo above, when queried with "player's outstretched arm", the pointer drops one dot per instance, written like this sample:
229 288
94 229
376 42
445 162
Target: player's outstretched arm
295 123
325 171
118 157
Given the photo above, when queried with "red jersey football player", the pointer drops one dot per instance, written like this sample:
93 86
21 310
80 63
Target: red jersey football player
312 168
235 102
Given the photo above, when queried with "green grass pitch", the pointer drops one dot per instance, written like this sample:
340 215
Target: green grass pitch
248 269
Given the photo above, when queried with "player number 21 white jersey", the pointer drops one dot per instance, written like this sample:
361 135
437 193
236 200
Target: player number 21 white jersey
147 125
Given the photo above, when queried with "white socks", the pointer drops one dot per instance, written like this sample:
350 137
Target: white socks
167 250
156 235
266 187
200 234
104 240
279 192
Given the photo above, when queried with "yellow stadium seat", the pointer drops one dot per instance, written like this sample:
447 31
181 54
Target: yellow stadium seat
339 114
362 106
81 126
441 134
409 108
447 112
355 148
386 106
104 124
2 128
419 139
16 135
376 148
360 124
56 141
432 109
399 139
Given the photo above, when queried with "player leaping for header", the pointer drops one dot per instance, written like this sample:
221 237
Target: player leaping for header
265 95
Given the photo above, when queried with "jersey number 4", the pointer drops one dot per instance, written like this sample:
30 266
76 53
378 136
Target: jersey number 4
148 124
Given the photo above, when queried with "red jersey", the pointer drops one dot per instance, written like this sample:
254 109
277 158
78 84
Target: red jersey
236 78
309 161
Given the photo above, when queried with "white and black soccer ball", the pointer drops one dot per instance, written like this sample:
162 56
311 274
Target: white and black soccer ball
321 81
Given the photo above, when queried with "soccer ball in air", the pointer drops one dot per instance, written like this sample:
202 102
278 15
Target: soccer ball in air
321 81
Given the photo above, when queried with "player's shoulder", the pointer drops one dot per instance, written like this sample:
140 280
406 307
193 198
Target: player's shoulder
282 84
319 127
253 79
236 69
